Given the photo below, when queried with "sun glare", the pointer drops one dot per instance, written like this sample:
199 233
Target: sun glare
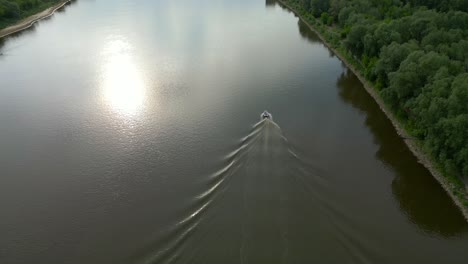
123 86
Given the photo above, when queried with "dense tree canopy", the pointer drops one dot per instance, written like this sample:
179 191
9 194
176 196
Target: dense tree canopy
416 53
13 10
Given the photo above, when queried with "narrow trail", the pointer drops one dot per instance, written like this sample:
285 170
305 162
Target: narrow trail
30 21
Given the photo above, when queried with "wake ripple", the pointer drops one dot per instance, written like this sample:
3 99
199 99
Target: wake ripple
265 205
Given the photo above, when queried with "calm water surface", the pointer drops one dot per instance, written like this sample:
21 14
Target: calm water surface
130 133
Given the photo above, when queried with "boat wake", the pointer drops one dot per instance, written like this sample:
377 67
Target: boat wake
265 205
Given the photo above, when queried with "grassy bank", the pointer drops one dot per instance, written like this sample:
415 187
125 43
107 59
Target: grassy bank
333 37
13 11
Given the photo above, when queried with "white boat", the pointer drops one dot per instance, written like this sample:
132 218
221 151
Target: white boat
266 115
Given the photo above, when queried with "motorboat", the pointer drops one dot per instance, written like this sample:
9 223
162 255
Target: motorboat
266 115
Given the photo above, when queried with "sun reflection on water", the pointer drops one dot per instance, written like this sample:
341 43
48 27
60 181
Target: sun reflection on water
122 84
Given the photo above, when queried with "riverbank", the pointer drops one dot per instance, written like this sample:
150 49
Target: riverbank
29 21
412 144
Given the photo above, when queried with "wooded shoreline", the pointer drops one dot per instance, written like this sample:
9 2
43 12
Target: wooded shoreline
29 21
412 145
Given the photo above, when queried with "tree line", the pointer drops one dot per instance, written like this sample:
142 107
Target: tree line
415 52
14 10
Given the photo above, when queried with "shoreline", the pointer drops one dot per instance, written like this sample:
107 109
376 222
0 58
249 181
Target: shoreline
411 144
31 20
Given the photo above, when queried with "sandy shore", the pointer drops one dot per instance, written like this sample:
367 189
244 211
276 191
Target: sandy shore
412 145
29 21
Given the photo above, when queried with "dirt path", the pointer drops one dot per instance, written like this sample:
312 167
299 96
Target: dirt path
29 21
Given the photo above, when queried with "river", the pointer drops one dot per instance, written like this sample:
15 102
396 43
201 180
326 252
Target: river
131 133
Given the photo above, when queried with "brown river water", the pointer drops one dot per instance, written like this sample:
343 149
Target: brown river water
130 132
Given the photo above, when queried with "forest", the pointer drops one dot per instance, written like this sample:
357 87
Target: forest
415 52
12 11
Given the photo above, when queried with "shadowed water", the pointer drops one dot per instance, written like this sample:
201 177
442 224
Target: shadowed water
130 133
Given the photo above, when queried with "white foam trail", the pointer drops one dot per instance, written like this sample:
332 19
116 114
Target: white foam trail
259 189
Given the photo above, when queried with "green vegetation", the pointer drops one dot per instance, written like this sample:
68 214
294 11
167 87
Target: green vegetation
11 11
415 52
